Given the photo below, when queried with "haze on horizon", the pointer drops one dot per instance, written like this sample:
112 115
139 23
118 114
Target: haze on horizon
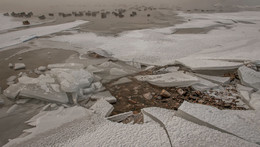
70 5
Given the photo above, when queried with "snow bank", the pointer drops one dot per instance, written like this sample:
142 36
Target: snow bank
16 37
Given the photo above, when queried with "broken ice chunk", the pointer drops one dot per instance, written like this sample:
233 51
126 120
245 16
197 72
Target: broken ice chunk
55 87
71 80
109 65
42 68
134 64
10 65
106 95
120 117
215 79
66 65
98 86
244 88
18 66
255 101
102 107
22 101
12 108
204 85
169 79
13 90
117 72
245 96
89 90
249 77
94 69
2 102
123 80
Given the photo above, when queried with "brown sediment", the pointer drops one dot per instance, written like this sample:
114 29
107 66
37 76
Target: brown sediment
32 60
130 97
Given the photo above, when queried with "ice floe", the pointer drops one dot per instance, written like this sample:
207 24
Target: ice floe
16 37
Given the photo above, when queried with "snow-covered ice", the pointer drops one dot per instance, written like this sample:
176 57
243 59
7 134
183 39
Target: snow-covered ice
16 37
161 47
232 121
78 126
186 133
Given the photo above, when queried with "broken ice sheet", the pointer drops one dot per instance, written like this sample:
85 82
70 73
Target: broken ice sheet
200 64
228 120
178 78
187 133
